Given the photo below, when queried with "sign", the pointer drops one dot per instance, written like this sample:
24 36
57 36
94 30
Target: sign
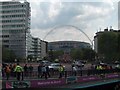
112 76
71 79
90 78
47 83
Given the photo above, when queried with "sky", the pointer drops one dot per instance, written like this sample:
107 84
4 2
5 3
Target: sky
56 20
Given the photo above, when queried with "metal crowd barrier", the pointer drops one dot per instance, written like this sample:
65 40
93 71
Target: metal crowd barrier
55 74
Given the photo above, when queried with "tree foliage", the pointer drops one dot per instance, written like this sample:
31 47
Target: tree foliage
55 54
108 45
8 55
83 54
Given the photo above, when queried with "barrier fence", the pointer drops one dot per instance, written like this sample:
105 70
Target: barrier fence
55 74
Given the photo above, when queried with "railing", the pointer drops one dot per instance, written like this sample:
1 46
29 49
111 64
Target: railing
55 74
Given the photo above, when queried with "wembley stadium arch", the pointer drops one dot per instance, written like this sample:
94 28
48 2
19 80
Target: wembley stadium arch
91 42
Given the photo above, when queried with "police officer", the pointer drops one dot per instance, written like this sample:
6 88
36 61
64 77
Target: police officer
19 71
61 70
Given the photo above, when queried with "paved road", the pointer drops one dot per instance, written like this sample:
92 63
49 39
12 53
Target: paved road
67 66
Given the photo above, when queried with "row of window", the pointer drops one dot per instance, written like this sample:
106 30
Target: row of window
5 36
67 44
6 41
13 31
13 11
10 16
17 47
34 51
13 26
13 6
16 20
4 3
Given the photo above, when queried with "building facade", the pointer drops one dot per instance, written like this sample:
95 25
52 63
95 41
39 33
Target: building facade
15 18
15 28
44 49
66 46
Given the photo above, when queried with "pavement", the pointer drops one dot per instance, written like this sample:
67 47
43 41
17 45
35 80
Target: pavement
88 84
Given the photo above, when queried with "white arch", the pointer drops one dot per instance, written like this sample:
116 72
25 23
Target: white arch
69 26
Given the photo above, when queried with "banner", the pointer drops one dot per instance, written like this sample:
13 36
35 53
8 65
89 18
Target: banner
112 76
87 78
47 83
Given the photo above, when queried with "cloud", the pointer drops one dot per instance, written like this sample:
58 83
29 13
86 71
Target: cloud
88 16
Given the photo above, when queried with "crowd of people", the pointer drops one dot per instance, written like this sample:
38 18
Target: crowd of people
21 72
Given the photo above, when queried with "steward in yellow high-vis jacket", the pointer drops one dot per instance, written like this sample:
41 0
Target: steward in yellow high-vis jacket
19 71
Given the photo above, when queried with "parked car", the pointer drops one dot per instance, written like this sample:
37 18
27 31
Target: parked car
55 66
78 64
45 62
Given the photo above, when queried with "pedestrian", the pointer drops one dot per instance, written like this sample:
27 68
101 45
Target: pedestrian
61 71
7 71
47 71
19 71
14 66
26 70
30 70
44 72
39 70
74 70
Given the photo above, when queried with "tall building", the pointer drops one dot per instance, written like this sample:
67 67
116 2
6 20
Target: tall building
15 18
36 48
44 48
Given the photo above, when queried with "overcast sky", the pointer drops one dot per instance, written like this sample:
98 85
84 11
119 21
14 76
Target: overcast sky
89 17
53 15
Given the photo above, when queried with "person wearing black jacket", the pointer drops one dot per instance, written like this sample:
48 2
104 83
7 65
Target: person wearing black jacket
47 71
39 70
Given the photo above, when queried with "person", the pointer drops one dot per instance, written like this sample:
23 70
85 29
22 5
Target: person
14 66
44 72
18 70
61 70
74 70
47 71
7 71
39 70
30 69
26 70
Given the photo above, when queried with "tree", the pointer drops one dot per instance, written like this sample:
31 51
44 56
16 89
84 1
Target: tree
76 54
108 45
83 54
8 55
88 54
55 54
